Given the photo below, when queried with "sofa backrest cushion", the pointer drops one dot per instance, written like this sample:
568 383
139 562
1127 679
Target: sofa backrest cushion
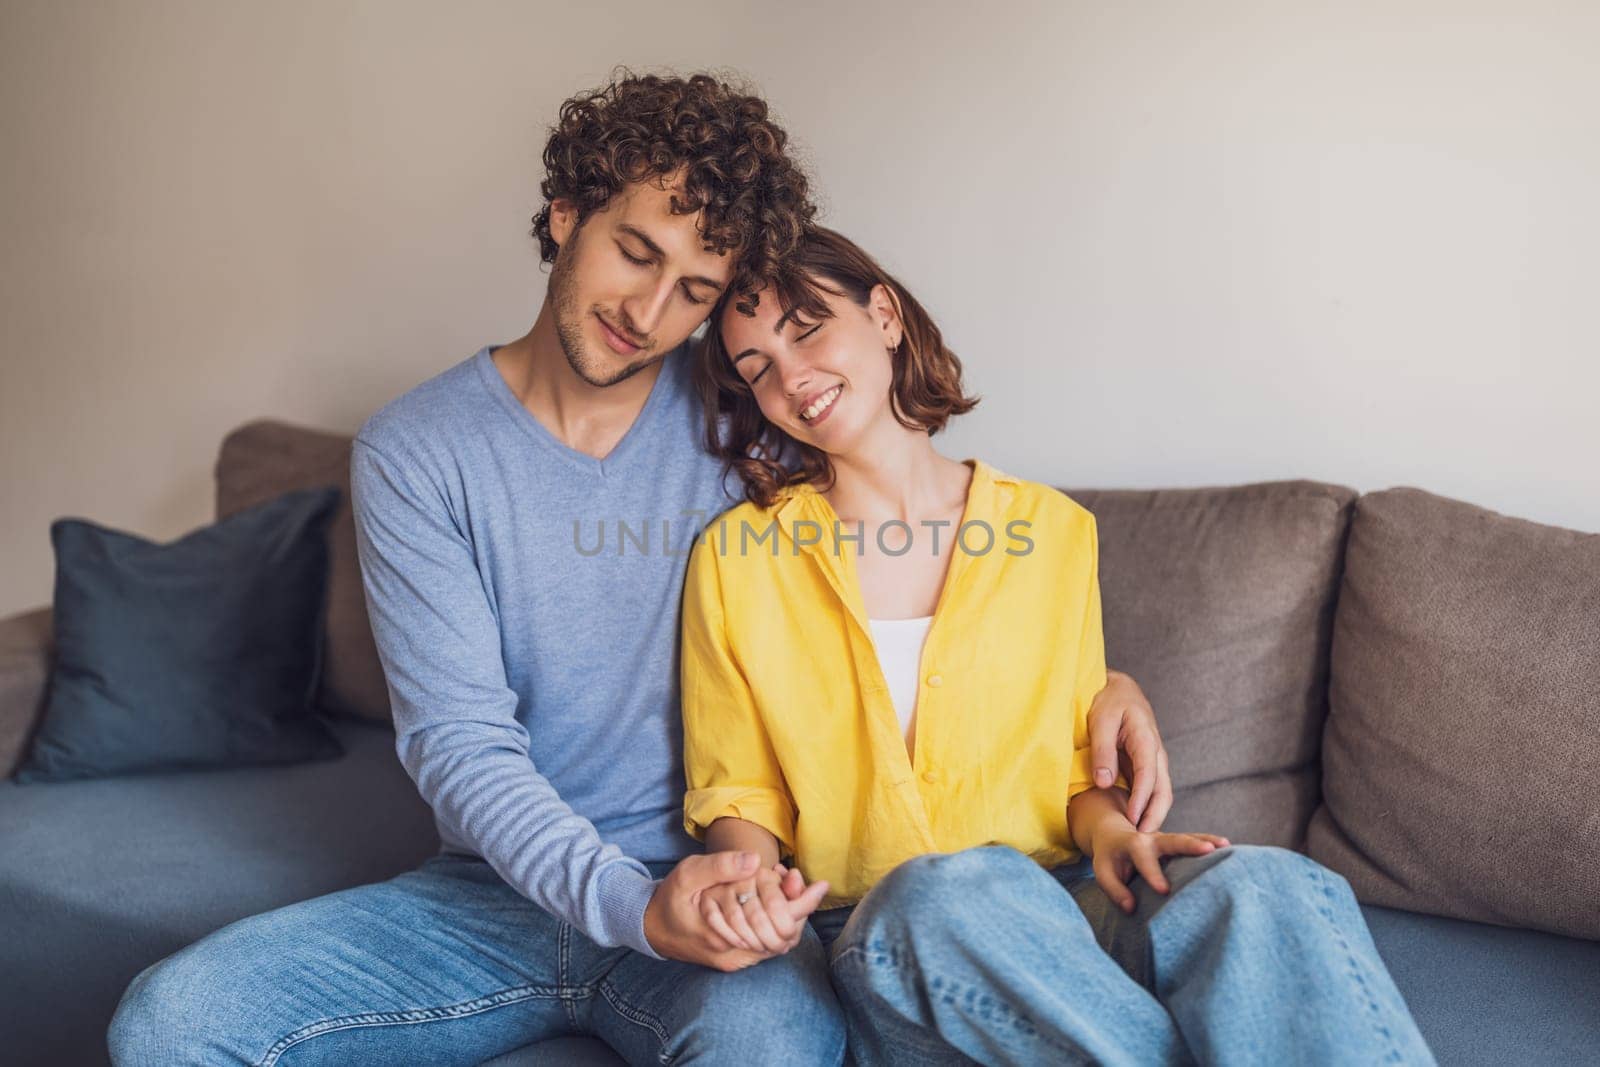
27 646
1219 602
1461 761
264 459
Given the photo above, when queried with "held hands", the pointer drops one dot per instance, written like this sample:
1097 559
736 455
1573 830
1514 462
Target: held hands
695 914
1119 851
757 915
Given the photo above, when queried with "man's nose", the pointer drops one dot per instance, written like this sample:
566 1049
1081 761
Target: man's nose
646 307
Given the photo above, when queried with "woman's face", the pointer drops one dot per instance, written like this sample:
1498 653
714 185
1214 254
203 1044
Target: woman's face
827 383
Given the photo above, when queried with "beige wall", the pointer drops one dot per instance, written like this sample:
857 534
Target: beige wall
1176 243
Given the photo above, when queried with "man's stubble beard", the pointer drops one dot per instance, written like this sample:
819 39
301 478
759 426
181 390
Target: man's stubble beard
570 322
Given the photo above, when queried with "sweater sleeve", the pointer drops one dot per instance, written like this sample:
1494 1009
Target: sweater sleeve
1091 671
456 729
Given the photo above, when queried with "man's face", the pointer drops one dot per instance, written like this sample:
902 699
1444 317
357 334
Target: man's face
630 283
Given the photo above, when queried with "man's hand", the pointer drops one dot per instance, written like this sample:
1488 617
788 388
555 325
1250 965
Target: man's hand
678 923
1122 733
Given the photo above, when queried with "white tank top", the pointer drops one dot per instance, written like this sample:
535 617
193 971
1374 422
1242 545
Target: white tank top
899 645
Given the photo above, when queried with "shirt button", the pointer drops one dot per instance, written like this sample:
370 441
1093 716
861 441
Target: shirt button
930 777
935 680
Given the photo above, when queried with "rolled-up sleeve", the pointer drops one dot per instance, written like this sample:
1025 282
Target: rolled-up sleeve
729 762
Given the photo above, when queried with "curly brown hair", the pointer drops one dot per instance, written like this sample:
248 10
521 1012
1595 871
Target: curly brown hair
719 138
925 393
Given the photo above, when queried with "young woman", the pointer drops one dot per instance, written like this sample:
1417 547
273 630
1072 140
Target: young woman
888 660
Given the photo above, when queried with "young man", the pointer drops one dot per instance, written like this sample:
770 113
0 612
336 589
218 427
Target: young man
524 520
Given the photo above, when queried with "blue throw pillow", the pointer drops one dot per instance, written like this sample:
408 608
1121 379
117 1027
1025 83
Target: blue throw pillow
200 653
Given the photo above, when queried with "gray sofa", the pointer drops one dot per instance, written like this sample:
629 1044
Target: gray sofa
1405 686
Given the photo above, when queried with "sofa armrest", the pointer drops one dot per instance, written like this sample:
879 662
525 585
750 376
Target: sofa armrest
27 642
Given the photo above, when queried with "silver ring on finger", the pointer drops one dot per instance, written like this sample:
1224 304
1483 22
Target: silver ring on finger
744 898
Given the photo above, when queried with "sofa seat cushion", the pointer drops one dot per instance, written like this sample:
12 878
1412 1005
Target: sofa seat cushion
101 878
1491 994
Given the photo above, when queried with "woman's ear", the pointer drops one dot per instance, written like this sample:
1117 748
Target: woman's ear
884 307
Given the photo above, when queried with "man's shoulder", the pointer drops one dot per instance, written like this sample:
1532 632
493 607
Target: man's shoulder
434 411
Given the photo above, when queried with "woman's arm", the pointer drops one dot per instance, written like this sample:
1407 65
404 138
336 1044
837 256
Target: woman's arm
728 834
1094 810
1098 821
730 765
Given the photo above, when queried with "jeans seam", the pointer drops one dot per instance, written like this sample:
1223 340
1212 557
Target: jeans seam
513 995
637 1016
563 966
880 952
1326 909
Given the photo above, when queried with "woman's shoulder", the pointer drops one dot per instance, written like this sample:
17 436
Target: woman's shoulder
1038 502
743 524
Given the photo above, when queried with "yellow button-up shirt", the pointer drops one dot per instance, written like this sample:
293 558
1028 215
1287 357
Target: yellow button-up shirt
788 721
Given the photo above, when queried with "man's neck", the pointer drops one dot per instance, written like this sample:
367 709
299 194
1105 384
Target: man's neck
586 418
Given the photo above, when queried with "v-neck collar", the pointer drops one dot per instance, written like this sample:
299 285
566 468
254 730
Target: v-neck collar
614 460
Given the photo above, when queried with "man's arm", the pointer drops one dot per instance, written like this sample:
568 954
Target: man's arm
455 715
1112 714
1121 718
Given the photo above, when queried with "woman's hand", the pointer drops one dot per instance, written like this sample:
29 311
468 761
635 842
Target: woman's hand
756 914
1120 851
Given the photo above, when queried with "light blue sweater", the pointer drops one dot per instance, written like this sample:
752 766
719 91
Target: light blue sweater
530 646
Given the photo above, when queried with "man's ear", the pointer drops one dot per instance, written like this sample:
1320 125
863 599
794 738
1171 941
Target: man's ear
563 220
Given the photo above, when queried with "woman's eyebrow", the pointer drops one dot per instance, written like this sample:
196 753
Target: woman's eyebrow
747 352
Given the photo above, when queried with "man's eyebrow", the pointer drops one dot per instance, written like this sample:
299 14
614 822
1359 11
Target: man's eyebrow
655 250
643 238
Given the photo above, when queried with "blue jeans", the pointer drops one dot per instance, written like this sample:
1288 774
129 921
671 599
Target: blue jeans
1258 955
447 964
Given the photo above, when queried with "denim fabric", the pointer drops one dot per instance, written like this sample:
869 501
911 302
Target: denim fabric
447 964
1258 955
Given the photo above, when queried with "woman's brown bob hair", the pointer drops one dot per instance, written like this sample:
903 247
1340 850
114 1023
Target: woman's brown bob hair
926 388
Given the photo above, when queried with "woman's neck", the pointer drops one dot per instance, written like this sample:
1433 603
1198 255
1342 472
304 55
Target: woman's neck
902 478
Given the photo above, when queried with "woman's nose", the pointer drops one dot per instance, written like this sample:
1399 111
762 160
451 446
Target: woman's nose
796 380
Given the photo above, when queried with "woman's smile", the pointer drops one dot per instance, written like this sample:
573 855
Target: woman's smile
820 408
